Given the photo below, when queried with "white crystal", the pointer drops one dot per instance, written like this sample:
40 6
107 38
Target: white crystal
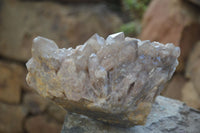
115 75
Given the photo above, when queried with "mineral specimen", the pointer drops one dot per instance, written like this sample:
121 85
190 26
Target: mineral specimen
113 80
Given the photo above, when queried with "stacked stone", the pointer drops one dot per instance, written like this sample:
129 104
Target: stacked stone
178 22
21 108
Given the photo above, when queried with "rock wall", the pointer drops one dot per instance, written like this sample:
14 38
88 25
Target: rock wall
174 21
68 25
21 108
178 22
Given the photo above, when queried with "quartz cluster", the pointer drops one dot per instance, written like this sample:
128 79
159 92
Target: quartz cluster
114 80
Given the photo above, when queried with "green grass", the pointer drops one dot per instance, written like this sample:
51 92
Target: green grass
131 28
136 10
137 7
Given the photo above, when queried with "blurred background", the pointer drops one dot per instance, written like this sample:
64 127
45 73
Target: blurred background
72 22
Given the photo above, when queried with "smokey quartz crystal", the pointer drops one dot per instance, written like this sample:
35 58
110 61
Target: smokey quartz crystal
114 80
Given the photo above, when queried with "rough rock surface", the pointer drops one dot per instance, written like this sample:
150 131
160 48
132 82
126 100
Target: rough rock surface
193 70
40 124
113 80
196 2
58 113
11 118
175 86
25 86
193 62
167 116
190 95
23 21
10 82
34 103
174 21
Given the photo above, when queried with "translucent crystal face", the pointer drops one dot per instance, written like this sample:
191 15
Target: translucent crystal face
115 75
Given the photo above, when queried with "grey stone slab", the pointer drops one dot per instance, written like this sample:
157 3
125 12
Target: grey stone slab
167 116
